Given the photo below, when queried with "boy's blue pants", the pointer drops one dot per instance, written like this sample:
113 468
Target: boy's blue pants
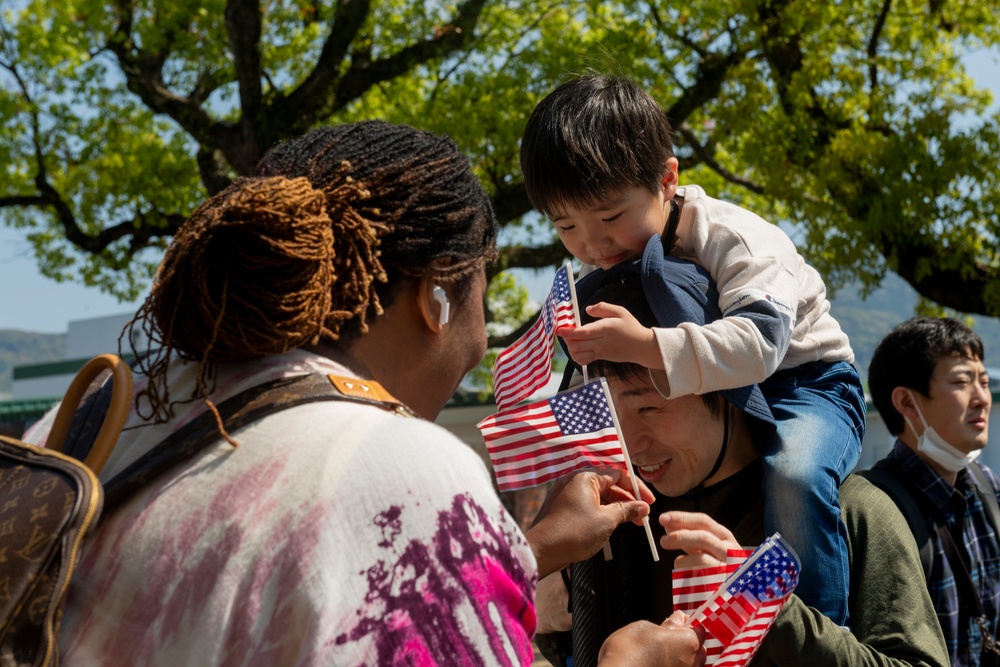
820 412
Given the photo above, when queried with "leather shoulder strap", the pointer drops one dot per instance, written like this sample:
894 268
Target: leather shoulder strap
239 410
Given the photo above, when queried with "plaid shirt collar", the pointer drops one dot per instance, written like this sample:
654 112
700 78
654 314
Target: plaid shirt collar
938 491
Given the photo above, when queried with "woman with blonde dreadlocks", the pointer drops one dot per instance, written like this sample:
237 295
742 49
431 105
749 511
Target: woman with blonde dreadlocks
335 532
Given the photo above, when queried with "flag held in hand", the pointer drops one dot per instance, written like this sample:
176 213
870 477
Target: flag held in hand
739 613
544 440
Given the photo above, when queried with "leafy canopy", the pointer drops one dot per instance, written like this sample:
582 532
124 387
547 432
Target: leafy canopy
854 120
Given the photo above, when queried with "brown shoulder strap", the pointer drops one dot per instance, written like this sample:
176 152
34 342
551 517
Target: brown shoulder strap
239 410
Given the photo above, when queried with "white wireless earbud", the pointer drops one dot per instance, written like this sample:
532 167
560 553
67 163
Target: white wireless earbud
442 300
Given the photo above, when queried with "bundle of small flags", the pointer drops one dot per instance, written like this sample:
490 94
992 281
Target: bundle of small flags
538 442
738 613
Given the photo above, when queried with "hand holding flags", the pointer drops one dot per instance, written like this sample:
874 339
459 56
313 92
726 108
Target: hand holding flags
541 441
738 614
544 440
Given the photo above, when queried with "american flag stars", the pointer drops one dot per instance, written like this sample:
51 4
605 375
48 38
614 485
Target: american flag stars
582 412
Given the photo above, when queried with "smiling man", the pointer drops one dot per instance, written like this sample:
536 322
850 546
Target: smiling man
700 455
928 382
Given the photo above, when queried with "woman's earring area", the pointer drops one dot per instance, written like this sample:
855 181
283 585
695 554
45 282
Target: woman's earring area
445 306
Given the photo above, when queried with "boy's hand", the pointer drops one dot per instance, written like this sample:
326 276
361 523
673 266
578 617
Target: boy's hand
615 336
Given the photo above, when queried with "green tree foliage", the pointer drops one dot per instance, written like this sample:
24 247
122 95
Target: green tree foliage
854 120
507 302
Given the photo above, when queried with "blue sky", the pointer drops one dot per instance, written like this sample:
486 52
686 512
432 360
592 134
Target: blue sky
32 302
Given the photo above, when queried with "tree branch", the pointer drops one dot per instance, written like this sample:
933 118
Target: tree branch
510 201
214 169
661 25
451 37
313 97
711 74
22 200
530 257
207 83
243 26
883 15
313 100
144 77
508 339
708 159
961 288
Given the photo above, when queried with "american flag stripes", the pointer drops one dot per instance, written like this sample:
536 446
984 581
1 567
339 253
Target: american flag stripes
526 366
694 586
541 441
737 615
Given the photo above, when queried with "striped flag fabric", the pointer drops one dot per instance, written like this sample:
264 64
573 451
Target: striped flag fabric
738 614
526 365
544 440
692 587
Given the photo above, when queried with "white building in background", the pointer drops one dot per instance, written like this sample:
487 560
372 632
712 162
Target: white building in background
88 338
85 339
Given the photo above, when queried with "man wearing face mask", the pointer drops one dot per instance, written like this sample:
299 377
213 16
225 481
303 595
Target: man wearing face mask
928 381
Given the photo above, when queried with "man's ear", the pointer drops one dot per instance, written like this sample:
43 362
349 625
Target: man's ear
433 304
902 400
669 179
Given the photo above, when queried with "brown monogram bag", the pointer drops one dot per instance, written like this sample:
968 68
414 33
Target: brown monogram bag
48 503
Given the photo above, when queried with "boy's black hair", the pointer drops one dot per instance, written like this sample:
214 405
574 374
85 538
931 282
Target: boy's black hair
591 138
906 357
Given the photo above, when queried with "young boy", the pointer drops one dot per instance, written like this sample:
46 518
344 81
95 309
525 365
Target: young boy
597 159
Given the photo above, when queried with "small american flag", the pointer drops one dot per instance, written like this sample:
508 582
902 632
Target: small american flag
738 614
526 366
541 441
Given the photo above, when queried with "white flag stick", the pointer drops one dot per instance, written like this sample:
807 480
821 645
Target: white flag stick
631 473
576 319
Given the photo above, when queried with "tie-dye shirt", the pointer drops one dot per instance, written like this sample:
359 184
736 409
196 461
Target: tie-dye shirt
335 534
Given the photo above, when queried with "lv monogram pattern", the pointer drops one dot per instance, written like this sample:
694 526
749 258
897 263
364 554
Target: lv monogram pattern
46 503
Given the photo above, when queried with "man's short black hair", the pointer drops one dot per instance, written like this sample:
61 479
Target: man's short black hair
590 139
906 357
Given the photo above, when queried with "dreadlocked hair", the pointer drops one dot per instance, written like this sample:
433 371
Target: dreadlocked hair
439 220
251 273
311 248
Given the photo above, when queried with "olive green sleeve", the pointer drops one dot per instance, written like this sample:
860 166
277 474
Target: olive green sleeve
892 619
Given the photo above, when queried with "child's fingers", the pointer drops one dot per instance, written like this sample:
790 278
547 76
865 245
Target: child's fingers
602 310
573 332
581 351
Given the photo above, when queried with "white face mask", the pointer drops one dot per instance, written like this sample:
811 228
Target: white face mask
937 449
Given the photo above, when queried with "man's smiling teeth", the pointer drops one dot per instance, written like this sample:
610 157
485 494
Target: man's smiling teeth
652 468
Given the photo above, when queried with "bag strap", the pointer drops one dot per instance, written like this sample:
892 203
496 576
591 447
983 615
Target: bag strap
969 602
239 410
112 417
988 495
889 478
